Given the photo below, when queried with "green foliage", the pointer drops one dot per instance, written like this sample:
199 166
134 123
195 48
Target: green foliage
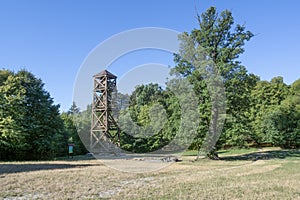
143 122
282 123
223 44
70 118
265 97
30 126
282 127
82 121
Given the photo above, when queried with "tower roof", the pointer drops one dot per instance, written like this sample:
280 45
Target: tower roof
105 73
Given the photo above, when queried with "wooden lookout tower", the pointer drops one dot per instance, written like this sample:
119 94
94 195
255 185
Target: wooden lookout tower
104 129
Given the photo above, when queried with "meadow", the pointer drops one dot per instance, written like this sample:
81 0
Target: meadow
269 173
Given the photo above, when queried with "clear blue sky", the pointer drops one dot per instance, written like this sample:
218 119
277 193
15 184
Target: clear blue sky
52 38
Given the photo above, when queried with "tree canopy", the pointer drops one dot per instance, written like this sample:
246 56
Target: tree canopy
30 125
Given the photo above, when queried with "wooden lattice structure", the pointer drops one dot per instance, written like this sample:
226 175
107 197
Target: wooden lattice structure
104 129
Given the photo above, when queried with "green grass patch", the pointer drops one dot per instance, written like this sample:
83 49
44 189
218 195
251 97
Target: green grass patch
233 151
190 153
237 151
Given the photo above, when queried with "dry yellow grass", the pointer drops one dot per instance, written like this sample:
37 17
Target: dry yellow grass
235 179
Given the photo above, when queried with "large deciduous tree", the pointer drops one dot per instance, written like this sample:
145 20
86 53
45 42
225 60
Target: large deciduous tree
12 136
222 43
30 125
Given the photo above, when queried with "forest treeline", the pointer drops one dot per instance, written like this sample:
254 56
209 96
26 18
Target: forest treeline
258 112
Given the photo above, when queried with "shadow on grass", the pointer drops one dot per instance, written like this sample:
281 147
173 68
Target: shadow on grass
17 168
264 155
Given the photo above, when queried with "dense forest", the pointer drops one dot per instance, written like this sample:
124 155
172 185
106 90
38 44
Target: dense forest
258 112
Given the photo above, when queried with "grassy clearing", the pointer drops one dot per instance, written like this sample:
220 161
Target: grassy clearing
274 174
232 151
